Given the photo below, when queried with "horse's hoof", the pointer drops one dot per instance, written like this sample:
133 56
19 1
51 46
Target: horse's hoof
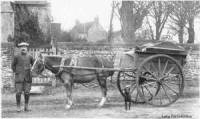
103 100
67 107
100 106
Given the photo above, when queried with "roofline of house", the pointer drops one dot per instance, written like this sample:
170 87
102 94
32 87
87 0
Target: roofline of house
40 3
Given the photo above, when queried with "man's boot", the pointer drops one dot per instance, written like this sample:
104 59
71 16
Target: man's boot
18 101
26 98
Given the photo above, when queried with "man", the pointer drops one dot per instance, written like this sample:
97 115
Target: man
21 66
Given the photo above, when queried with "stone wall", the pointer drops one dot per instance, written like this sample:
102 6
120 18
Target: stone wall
191 69
7 52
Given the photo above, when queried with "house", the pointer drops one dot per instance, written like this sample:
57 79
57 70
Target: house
117 38
7 21
8 13
41 9
90 31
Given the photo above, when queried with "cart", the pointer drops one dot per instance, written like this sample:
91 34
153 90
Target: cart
157 76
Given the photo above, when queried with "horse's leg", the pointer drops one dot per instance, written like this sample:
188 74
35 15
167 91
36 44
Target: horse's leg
68 82
103 85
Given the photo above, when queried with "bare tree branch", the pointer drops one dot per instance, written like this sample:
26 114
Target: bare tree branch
160 12
132 14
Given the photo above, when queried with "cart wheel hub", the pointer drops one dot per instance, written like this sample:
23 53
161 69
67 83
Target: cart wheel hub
159 82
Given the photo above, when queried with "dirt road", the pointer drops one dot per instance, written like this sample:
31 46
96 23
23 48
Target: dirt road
85 106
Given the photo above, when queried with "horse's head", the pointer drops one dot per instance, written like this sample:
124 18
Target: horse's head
38 65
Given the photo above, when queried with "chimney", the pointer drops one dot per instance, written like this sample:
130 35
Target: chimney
96 20
77 22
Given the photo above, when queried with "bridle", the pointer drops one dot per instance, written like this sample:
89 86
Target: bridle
46 66
43 66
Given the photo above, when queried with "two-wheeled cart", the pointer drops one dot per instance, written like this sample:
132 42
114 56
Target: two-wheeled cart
157 76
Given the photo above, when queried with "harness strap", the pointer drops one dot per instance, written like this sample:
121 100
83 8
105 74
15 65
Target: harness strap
34 64
101 60
73 61
62 63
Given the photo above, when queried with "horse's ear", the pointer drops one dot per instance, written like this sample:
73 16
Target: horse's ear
40 55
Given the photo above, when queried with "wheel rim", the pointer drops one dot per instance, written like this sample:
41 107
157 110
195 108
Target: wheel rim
128 79
161 78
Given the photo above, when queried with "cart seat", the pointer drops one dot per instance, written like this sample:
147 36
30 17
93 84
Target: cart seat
131 52
162 47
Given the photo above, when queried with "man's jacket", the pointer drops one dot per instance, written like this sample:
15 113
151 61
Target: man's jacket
21 66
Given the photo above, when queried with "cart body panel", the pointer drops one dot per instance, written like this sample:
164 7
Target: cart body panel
167 48
158 65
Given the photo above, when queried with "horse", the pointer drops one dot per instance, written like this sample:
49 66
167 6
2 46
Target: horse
69 76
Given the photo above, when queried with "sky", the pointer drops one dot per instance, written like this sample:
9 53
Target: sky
67 12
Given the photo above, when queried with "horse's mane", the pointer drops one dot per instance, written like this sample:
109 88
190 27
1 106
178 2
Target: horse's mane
87 61
52 60
105 62
56 60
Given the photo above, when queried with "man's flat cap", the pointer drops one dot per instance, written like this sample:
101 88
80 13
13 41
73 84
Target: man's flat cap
23 44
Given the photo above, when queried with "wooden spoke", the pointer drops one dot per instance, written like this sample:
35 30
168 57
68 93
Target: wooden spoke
149 83
131 91
149 71
170 89
154 66
172 83
149 78
159 67
136 97
166 93
164 69
169 77
170 70
142 90
148 91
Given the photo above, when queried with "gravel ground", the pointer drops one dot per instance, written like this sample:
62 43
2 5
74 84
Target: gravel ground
86 100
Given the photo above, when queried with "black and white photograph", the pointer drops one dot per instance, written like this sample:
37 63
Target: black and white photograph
137 59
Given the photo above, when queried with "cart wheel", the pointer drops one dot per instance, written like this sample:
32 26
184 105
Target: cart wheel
161 78
128 79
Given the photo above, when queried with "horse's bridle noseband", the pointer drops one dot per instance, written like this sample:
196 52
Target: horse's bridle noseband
43 66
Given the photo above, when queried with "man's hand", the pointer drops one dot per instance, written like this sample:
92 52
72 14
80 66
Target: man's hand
13 75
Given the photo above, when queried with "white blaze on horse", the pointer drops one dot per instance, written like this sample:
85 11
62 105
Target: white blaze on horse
69 76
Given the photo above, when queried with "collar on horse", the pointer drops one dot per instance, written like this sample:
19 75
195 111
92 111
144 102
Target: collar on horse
100 59
73 62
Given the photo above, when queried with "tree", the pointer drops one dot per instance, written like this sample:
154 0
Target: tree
111 25
178 19
132 14
65 36
192 10
160 11
183 15
27 26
